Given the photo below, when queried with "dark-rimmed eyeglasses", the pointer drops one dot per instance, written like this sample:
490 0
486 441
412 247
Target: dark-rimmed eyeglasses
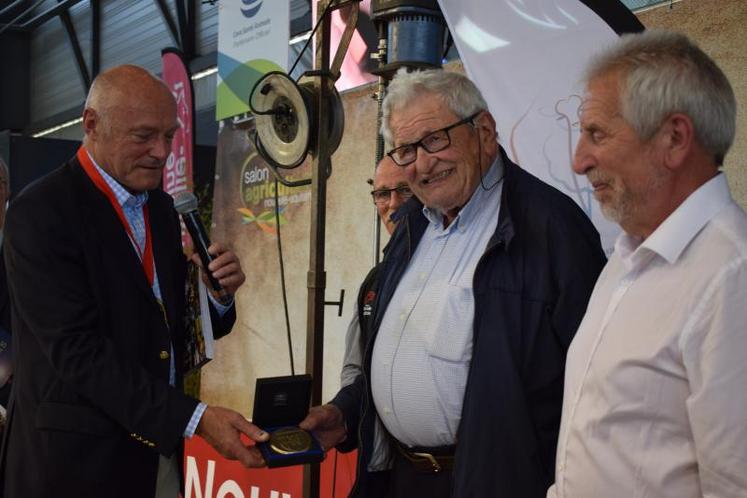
384 195
435 141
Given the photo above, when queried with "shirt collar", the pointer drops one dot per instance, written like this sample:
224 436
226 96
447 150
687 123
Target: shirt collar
467 214
673 235
124 198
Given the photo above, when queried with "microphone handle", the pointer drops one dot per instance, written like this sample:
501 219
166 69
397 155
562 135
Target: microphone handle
201 242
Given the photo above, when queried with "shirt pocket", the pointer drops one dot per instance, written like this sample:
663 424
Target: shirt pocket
450 336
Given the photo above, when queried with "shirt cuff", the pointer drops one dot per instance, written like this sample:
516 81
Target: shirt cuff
221 309
195 420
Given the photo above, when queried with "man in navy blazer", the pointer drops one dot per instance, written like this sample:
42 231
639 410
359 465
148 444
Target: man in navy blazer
97 284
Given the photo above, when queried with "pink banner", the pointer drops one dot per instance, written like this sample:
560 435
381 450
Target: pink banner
177 175
357 62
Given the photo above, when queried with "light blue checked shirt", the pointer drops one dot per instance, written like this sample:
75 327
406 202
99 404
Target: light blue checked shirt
423 349
132 207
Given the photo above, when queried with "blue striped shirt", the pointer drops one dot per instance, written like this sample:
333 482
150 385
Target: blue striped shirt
423 349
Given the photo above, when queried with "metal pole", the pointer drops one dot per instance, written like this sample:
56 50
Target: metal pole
380 91
169 21
316 278
72 36
95 38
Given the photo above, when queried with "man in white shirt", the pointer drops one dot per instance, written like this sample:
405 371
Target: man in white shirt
655 402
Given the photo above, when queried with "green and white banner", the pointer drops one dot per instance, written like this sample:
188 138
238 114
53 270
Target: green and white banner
252 40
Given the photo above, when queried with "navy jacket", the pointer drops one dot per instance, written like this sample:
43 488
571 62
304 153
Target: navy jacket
91 407
531 288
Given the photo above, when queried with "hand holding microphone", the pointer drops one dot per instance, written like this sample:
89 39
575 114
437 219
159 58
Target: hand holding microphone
221 266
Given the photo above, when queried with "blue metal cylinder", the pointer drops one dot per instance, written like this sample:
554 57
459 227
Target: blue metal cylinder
415 38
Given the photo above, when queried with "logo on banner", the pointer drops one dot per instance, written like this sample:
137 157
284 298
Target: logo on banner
252 7
249 46
258 195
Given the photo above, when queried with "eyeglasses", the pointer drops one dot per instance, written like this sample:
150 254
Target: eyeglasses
435 141
383 195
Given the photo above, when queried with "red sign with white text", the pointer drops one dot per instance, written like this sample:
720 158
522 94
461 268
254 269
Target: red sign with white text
208 475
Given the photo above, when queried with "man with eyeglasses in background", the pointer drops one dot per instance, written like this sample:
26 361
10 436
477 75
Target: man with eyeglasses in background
389 194
481 290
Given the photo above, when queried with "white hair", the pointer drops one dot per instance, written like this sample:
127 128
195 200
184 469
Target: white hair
459 94
662 73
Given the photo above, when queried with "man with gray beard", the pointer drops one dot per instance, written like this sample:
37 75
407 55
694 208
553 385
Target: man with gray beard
655 398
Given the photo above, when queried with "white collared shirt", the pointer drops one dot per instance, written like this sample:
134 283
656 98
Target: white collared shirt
655 401
423 347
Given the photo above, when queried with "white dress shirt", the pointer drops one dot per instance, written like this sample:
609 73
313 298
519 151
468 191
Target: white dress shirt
655 401
423 348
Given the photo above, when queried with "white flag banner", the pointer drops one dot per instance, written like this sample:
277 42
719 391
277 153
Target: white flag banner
527 58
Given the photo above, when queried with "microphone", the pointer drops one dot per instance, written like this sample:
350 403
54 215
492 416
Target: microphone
185 204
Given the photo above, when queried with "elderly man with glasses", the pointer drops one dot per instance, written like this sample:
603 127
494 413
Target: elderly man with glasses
480 293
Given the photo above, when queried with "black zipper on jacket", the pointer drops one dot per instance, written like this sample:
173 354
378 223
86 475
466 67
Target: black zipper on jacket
366 388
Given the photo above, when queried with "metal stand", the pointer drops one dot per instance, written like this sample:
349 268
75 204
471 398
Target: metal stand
380 91
317 277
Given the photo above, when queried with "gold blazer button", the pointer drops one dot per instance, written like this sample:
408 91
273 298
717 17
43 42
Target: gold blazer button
164 355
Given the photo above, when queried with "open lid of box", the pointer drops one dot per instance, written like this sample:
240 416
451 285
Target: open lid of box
281 401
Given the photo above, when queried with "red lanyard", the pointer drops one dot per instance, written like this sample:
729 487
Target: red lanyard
146 256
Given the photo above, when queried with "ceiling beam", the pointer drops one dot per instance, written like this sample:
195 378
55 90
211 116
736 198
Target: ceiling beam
14 24
95 38
48 14
186 11
72 36
166 14
11 7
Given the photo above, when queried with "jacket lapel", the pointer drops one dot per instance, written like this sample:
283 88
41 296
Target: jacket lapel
98 214
162 227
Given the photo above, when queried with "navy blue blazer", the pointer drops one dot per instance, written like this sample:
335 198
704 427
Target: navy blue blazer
91 407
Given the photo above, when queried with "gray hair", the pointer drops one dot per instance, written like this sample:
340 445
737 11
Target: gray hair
459 94
662 73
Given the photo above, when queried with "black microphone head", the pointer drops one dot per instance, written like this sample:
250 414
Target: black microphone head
184 202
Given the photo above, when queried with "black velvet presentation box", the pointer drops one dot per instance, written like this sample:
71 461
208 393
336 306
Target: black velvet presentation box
280 404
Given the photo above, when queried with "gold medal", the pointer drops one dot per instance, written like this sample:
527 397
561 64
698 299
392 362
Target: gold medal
290 440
